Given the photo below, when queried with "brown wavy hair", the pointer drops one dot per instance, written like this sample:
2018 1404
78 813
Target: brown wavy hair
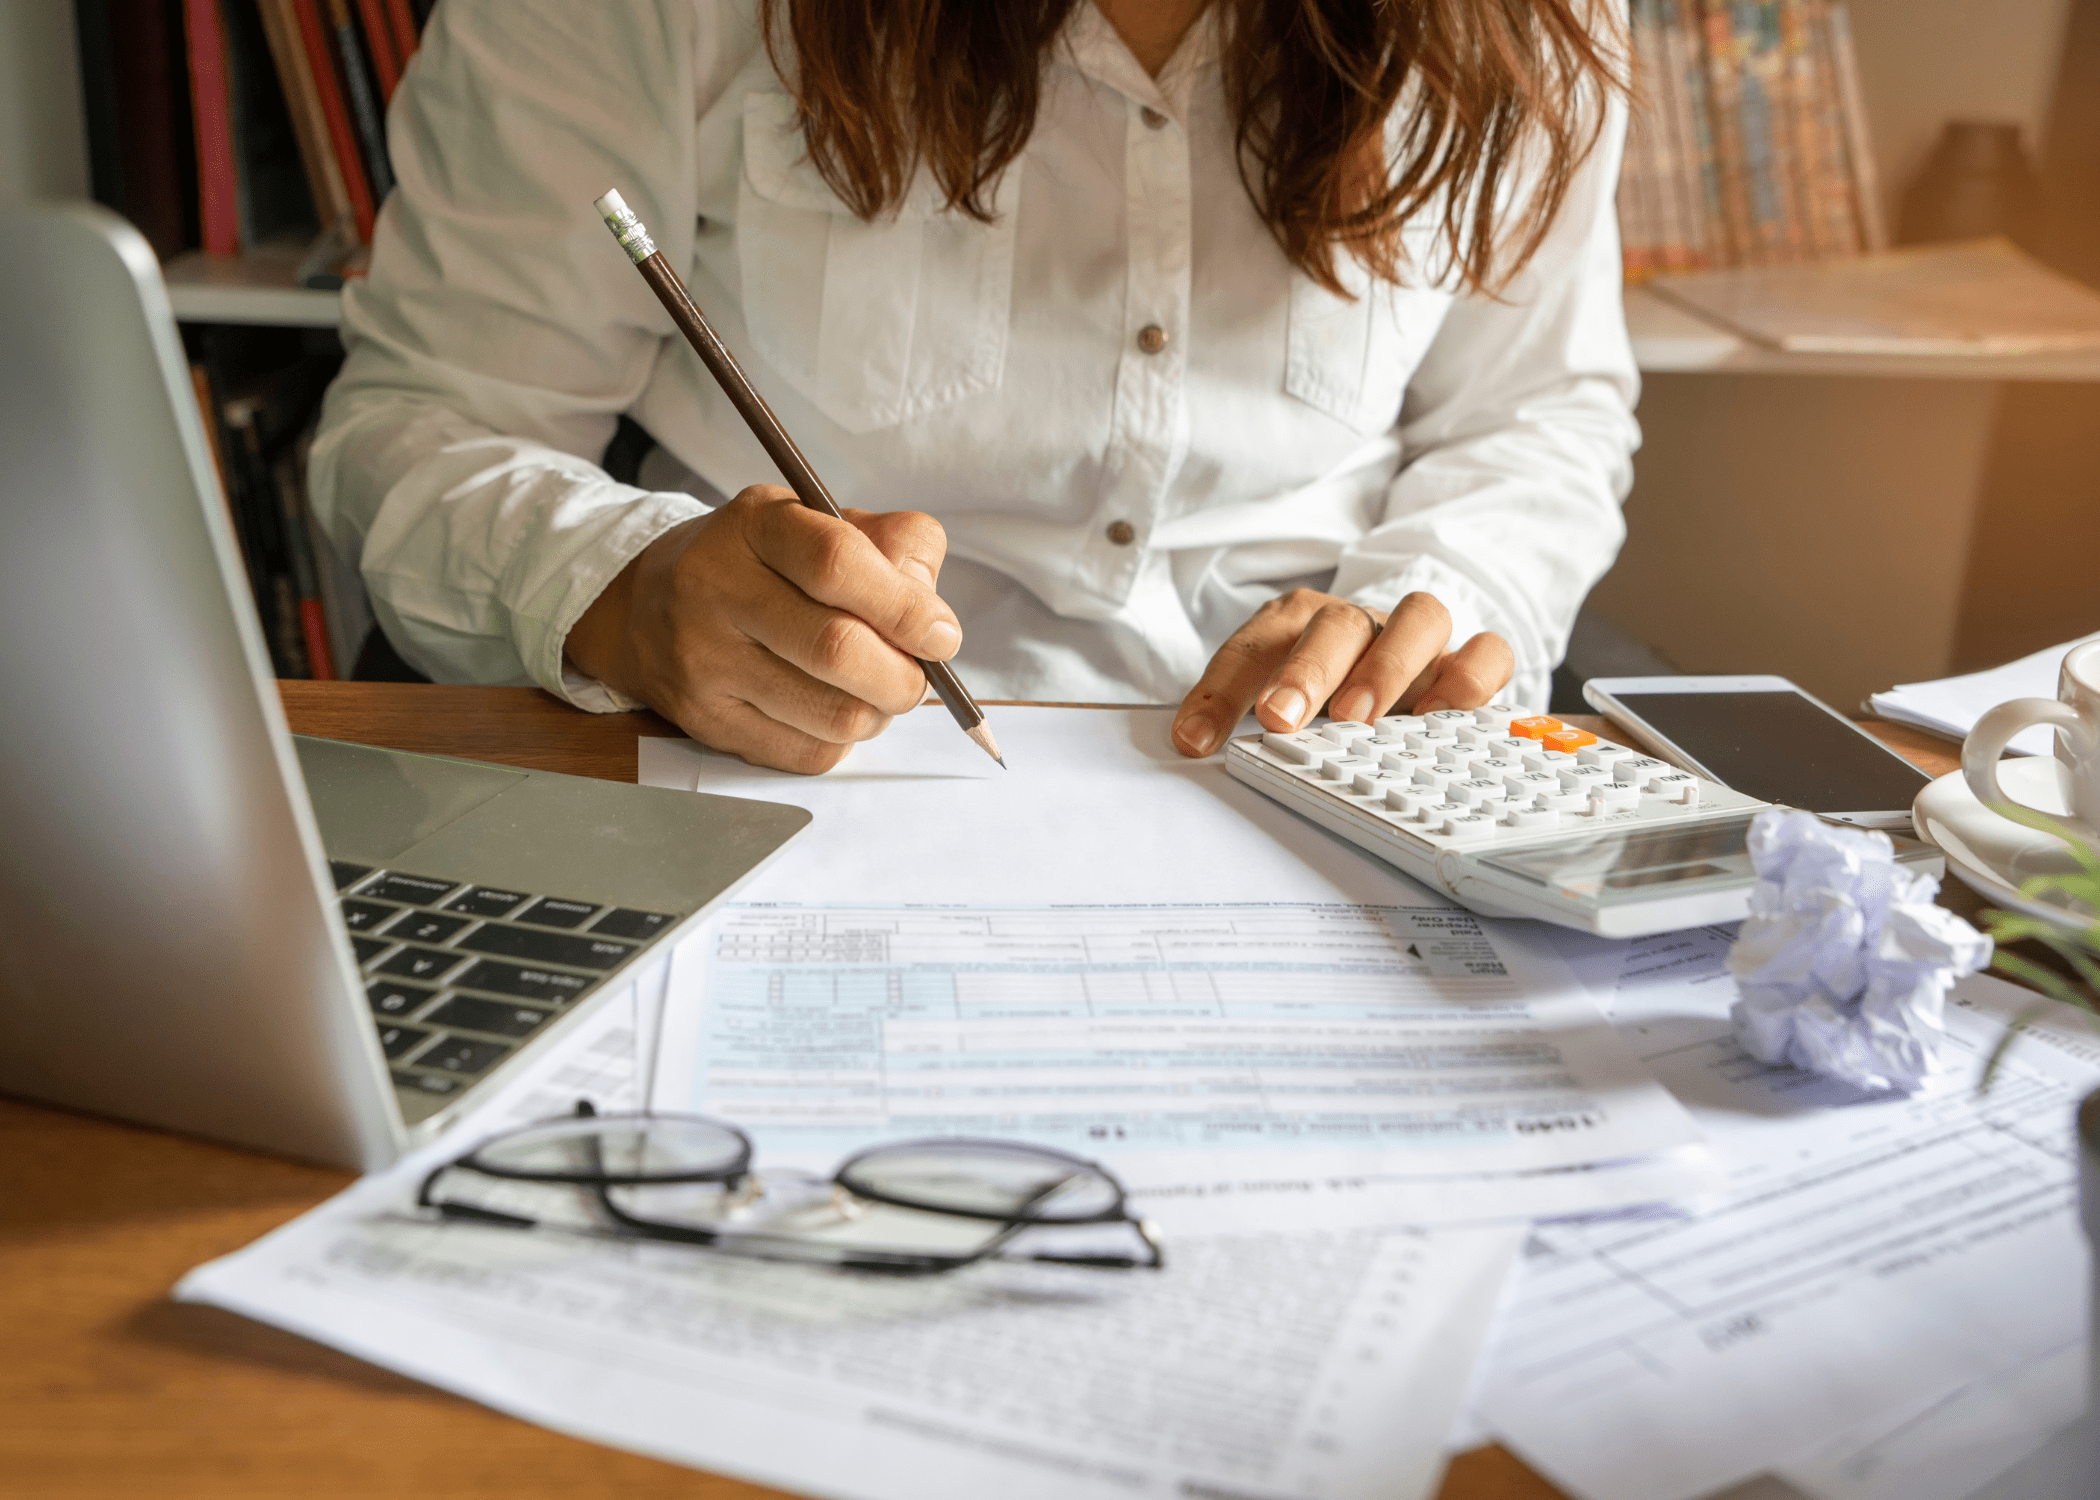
886 87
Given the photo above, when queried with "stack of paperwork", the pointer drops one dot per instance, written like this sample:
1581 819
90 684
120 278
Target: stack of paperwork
1343 1101
1952 705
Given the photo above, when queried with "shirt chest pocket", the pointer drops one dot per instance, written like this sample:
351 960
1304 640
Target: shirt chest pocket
873 322
1352 357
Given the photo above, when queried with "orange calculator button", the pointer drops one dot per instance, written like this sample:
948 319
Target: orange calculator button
1534 729
1567 741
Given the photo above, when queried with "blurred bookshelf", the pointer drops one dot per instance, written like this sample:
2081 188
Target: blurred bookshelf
259 287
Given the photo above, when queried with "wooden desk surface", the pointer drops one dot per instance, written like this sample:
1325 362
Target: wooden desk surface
109 1390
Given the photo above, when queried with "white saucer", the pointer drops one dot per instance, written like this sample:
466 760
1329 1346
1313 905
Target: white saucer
1993 855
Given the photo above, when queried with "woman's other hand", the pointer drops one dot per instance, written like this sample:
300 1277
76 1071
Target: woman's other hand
772 631
1305 648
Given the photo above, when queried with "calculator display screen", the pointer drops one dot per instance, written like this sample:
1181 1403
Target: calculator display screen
1780 747
1634 863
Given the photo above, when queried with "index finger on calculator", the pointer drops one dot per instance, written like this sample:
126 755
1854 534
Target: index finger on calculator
1240 669
1415 634
835 564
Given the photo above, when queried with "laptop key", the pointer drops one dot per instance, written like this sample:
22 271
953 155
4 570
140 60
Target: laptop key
390 997
548 912
368 949
426 927
421 963
416 890
399 1041
624 921
428 1083
362 916
487 901
347 874
549 947
455 1054
526 984
494 1016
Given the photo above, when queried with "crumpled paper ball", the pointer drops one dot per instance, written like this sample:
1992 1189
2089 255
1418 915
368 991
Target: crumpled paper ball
1844 963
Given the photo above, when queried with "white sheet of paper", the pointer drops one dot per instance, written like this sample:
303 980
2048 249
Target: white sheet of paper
1952 705
1310 1366
1951 1447
1098 807
1869 1253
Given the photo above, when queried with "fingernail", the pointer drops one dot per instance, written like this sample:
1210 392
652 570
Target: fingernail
1197 734
1354 704
942 640
911 567
1287 703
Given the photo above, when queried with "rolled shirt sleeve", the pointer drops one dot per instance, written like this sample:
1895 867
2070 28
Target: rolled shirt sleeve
1516 445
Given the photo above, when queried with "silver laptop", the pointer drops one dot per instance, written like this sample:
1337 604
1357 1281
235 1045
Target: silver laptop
207 923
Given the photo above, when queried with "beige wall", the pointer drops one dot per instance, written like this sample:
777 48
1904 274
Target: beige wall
1820 527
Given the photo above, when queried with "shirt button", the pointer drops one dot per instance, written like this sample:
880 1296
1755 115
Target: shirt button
1122 533
1152 338
1153 119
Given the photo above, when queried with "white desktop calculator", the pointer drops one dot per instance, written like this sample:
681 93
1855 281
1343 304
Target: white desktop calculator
1524 816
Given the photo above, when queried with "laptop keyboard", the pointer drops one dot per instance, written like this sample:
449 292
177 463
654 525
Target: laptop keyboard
458 975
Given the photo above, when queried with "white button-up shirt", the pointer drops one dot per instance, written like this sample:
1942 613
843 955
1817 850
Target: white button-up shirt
1134 418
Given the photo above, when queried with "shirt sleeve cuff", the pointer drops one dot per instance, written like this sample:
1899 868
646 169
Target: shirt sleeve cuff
648 517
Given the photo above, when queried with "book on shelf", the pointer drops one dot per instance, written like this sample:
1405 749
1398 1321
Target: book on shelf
227 125
1746 144
260 404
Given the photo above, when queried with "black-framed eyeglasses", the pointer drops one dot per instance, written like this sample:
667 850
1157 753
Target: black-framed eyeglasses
910 1207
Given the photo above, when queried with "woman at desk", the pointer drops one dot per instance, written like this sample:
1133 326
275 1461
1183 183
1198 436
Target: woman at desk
1162 337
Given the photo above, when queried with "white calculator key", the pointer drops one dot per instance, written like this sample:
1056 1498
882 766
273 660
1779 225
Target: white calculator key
1511 747
1529 784
1408 801
1437 814
1531 818
1344 732
1582 778
1468 827
1436 777
1615 797
1407 762
1641 769
1455 757
1495 716
1564 801
1373 782
1300 749
1601 754
1477 790
1344 768
1473 734
1450 718
1678 786
1538 758
1396 725
1429 736
1500 767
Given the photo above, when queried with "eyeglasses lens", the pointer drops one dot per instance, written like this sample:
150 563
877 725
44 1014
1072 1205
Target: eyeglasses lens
616 1147
985 1179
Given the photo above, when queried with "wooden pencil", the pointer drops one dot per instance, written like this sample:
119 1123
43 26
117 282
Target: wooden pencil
635 239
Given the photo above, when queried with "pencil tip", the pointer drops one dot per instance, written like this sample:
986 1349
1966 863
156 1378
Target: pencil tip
982 734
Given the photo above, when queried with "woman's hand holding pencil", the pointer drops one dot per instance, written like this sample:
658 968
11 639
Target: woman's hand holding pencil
780 639
774 631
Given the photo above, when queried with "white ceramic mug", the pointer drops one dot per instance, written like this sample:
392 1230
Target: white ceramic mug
2075 714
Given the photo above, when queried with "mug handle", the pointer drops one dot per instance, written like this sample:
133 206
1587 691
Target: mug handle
1980 752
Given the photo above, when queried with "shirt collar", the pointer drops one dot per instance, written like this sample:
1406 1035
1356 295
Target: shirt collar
1092 46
